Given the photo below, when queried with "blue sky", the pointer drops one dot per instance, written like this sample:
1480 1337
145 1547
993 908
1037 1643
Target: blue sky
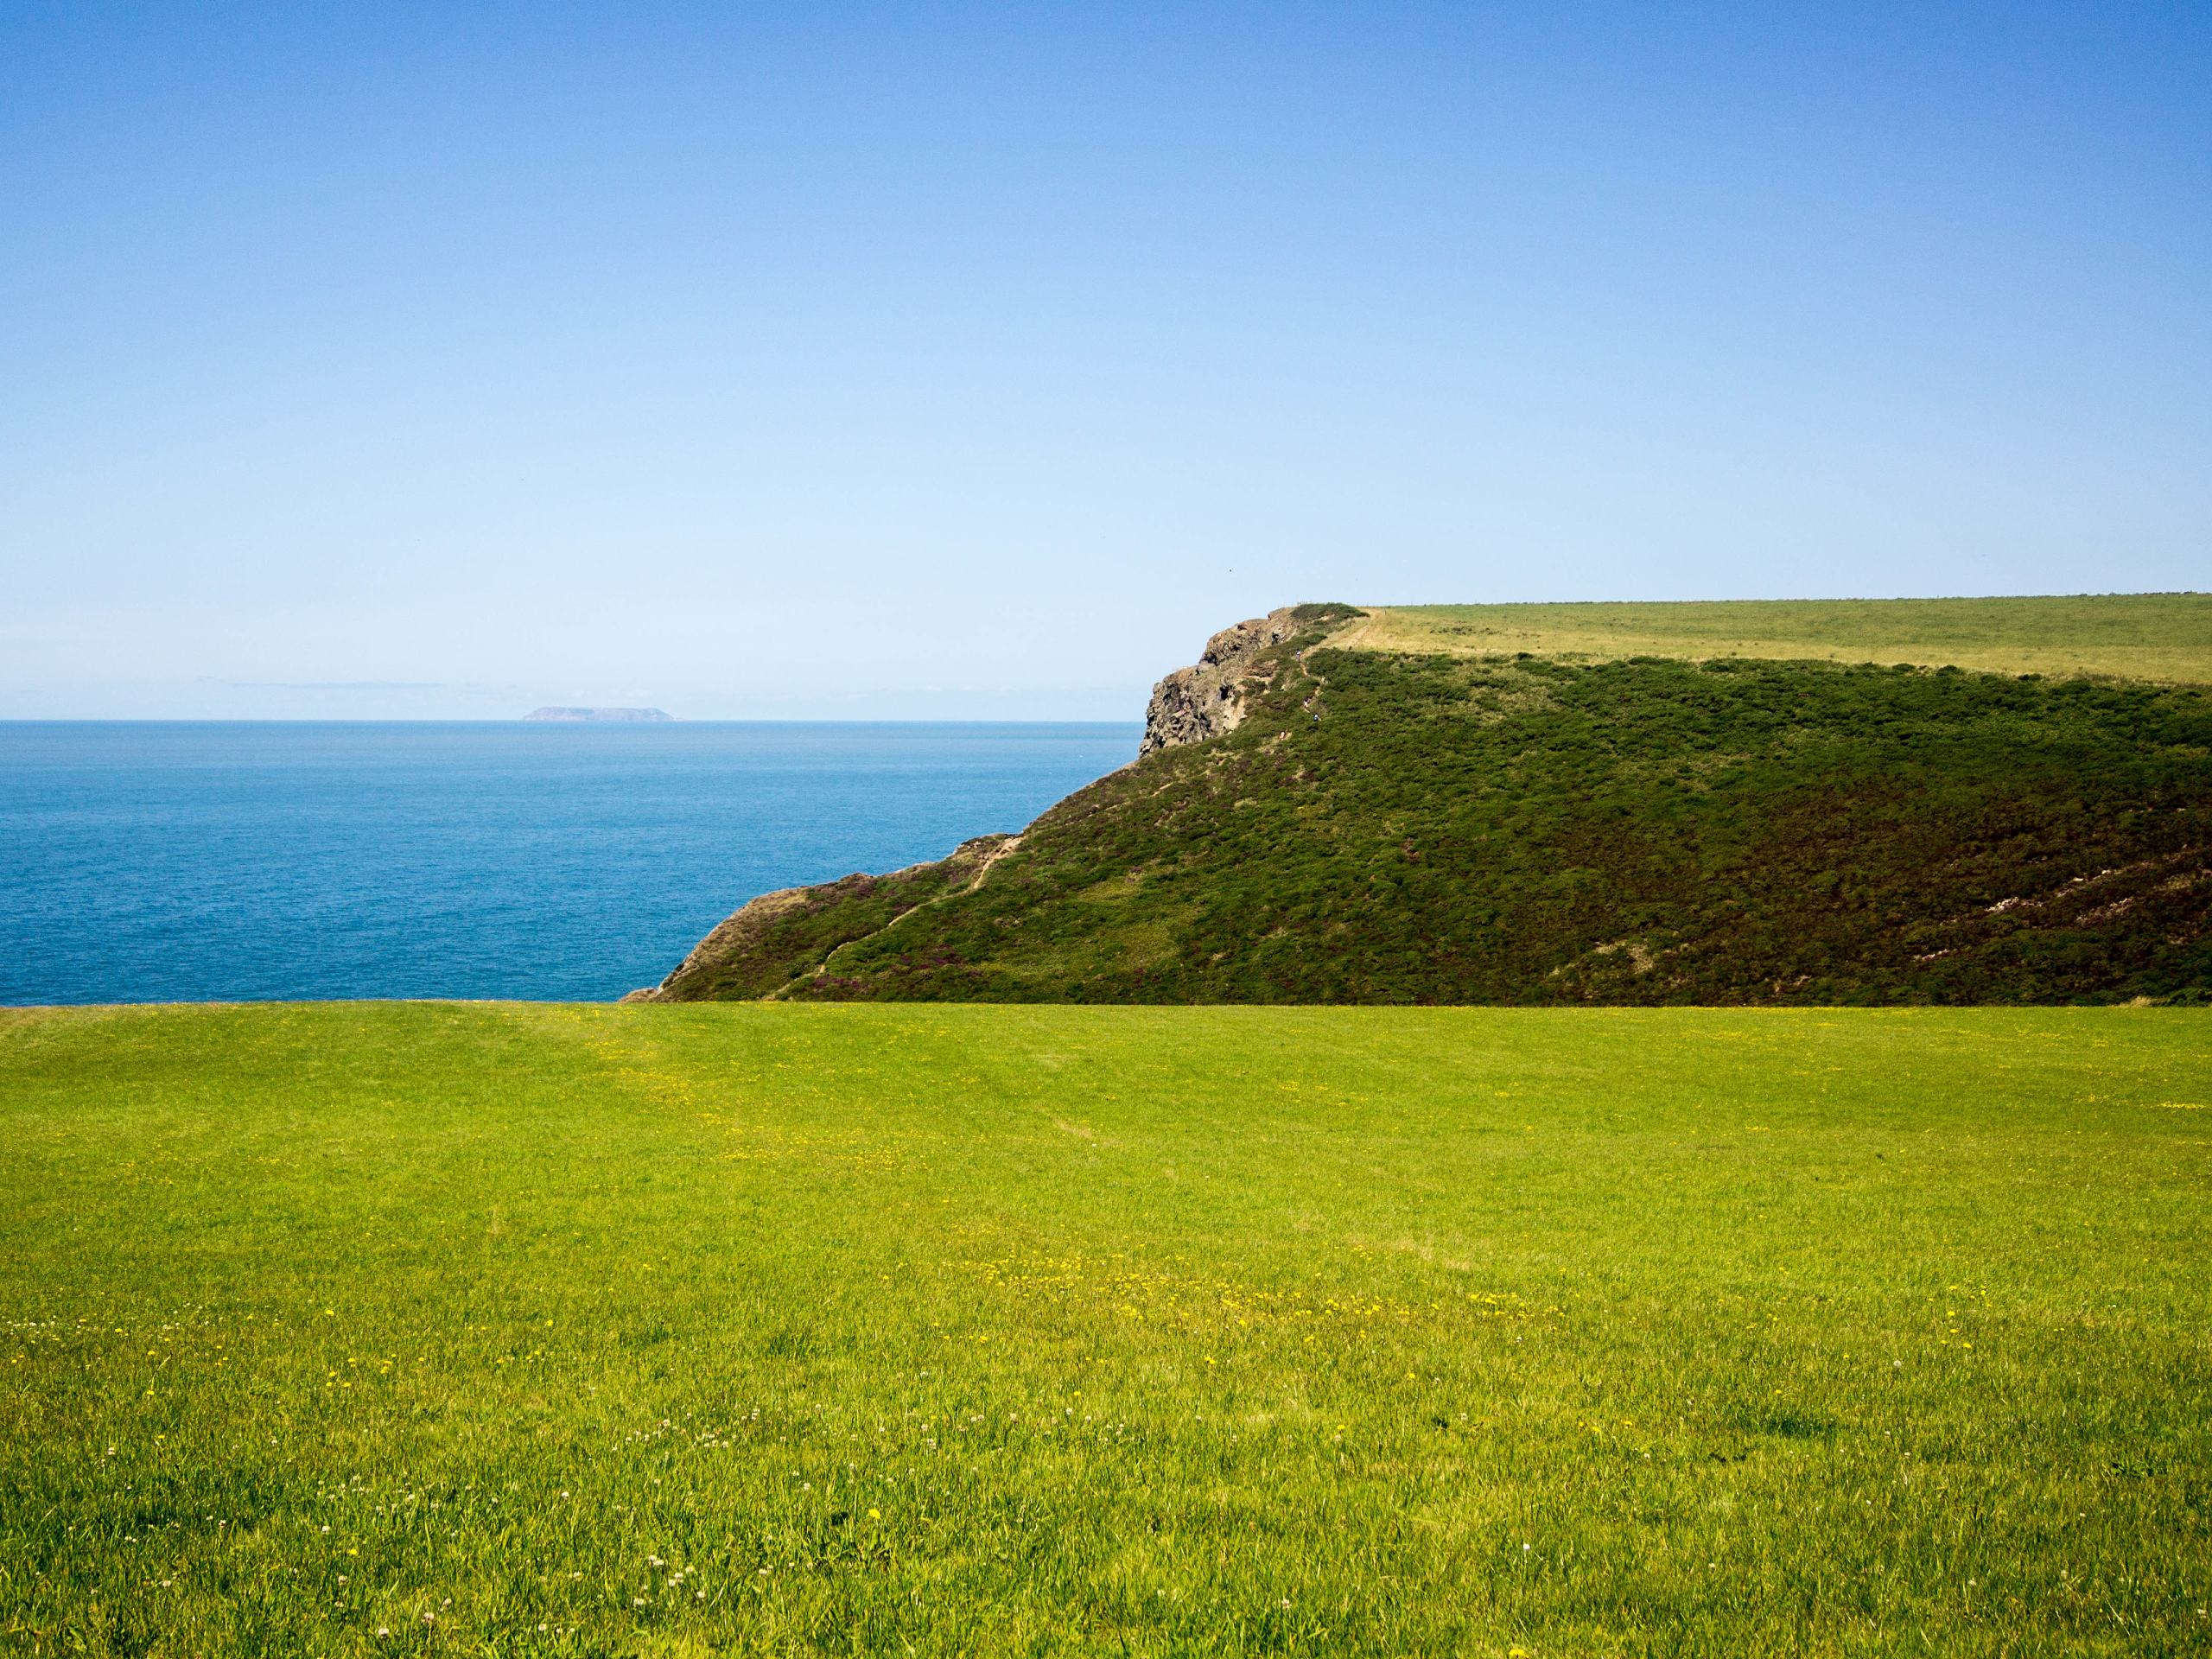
969 360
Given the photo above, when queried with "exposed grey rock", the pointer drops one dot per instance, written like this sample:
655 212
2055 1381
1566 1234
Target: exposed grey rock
1207 698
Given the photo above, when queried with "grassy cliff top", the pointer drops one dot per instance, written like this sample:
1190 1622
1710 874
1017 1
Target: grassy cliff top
2129 636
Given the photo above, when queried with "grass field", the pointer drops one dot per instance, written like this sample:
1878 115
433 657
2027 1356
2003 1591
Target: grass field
509 1329
2132 636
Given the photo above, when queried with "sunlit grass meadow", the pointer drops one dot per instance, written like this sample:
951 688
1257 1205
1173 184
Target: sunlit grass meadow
510 1330
2129 636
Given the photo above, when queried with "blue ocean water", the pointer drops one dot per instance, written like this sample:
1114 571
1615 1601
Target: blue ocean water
186 861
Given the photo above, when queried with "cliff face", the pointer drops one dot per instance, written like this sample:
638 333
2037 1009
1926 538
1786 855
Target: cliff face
1208 698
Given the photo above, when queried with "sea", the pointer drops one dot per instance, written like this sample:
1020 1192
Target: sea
195 861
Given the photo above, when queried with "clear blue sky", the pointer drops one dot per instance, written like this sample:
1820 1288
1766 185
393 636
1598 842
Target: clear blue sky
976 360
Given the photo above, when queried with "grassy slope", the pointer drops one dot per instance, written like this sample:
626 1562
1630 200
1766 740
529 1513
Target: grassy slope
1567 822
1063 1329
2143 636
1391 829
757 951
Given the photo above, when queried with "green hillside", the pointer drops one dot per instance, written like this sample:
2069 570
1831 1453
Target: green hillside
504 1330
783 936
1438 827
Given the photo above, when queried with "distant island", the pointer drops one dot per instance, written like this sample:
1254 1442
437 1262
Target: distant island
604 716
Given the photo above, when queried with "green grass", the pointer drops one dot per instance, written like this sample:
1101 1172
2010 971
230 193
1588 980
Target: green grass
763 1328
2134 636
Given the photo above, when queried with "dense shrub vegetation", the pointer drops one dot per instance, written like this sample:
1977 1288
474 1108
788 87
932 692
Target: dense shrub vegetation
1395 828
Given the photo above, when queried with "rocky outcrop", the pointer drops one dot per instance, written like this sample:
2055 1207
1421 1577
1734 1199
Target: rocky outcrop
1207 698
